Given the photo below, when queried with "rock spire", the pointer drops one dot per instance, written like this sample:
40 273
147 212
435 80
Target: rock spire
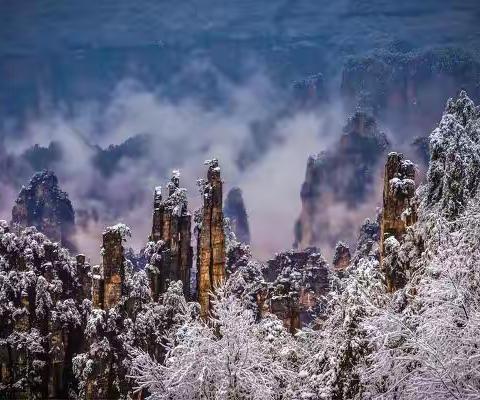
210 237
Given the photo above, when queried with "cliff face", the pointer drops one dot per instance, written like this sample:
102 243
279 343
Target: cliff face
399 212
340 179
409 89
451 185
210 238
235 210
170 252
42 204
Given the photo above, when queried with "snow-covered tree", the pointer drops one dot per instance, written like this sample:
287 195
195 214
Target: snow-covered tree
334 352
426 346
231 357
135 322
41 313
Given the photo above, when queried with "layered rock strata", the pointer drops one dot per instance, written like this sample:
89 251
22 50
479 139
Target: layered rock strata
107 279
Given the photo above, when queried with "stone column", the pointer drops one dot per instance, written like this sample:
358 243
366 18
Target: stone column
185 256
211 239
112 267
399 211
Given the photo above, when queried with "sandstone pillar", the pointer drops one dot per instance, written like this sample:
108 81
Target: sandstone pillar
112 267
211 239
399 211
172 226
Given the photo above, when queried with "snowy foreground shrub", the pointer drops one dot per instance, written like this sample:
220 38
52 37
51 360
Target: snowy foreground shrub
231 358
331 368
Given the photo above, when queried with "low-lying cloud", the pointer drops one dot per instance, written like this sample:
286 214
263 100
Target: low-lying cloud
184 134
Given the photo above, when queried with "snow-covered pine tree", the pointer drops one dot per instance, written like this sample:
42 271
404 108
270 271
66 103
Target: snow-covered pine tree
428 347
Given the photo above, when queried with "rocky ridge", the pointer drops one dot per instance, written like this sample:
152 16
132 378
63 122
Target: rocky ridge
42 204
